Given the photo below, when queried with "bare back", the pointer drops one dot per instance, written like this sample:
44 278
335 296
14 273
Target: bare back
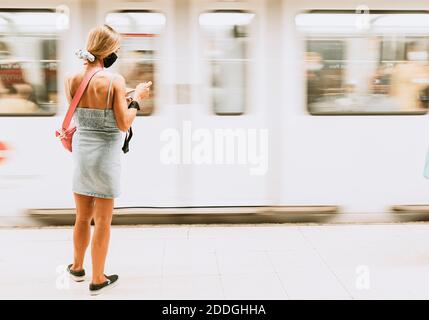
99 93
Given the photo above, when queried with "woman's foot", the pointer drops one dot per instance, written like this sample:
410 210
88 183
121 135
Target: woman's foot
76 275
110 282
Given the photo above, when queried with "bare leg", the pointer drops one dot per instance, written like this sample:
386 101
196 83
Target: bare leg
103 211
82 228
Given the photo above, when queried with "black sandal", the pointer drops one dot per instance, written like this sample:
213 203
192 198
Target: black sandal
95 289
76 275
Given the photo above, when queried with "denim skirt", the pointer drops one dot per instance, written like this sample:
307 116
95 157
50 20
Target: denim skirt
96 150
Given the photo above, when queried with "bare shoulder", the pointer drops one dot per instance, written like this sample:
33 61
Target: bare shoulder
69 76
72 78
118 81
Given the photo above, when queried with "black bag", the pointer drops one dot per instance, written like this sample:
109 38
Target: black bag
128 135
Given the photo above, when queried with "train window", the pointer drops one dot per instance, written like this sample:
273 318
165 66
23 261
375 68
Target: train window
28 62
227 36
375 62
139 50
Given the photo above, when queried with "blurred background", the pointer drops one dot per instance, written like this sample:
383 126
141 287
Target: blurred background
341 87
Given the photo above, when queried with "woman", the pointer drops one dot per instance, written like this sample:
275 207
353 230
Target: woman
102 113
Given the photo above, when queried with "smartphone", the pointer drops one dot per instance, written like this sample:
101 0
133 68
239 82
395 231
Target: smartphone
130 93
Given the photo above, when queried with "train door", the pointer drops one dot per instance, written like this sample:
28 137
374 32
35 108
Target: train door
227 123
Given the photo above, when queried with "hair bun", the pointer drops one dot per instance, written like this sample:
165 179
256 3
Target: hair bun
85 55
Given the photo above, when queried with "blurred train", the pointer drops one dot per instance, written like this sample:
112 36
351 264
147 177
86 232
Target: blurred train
327 102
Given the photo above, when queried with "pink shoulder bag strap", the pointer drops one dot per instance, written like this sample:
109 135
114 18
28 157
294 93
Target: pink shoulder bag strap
65 134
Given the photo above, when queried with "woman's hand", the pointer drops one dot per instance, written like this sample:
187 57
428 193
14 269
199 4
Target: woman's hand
129 92
142 91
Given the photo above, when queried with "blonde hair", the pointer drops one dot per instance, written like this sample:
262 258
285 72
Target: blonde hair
102 41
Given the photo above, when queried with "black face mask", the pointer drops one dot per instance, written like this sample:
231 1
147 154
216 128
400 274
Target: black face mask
110 59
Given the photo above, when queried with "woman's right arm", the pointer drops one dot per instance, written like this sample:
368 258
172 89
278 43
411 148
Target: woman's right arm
124 116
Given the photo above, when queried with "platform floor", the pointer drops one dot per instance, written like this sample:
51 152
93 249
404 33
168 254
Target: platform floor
270 261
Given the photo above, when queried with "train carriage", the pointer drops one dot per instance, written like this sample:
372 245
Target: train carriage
280 108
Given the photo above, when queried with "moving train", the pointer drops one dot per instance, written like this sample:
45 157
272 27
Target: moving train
259 108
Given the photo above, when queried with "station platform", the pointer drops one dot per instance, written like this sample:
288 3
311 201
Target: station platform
262 261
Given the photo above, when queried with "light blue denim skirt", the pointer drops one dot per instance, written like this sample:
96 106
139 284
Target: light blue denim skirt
96 150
